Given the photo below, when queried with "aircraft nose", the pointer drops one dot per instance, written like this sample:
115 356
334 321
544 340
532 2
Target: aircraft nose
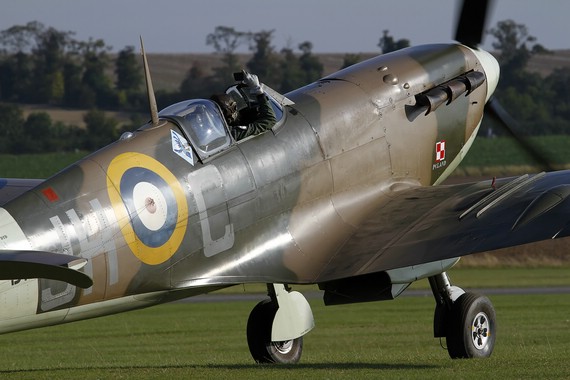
491 69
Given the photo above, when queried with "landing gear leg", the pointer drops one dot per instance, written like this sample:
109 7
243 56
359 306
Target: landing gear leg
466 320
276 326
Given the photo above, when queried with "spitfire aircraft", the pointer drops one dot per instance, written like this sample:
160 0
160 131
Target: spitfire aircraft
344 192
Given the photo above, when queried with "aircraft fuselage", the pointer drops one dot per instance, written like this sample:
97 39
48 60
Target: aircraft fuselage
275 208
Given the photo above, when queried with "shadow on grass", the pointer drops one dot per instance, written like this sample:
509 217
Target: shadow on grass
305 366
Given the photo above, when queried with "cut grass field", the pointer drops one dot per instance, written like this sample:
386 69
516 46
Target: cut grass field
391 339
503 156
36 165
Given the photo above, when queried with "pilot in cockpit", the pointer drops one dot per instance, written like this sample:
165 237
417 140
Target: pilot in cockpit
249 121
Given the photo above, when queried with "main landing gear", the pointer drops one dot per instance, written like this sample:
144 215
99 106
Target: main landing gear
466 320
276 326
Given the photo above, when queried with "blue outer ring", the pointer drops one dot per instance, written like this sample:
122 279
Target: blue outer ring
129 180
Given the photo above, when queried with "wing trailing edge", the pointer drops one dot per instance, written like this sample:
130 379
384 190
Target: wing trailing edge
16 265
11 188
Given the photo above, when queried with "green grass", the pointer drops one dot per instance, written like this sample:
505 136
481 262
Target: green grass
467 278
391 339
36 165
506 151
473 278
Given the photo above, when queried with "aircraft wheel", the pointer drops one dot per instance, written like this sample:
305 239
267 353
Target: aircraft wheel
472 329
259 341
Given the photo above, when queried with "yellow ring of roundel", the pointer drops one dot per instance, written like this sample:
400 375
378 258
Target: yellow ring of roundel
117 168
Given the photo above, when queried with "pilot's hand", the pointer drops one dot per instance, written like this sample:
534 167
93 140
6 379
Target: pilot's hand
252 82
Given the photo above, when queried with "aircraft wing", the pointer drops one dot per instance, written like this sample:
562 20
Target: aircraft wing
16 265
10 188
427 224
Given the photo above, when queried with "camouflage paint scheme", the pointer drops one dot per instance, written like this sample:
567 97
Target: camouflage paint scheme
337 189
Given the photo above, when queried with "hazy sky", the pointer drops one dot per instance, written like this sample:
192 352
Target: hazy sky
331 25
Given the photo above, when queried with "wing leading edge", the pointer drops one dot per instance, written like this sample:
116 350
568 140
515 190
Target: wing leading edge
428 224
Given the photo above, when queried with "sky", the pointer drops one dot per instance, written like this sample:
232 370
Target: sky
332 26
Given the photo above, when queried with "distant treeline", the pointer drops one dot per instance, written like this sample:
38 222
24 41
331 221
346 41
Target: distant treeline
37 133
42 65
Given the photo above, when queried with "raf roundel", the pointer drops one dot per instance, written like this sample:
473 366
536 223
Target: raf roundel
150 205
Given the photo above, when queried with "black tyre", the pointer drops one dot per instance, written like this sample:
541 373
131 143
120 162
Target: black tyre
472 327
262 349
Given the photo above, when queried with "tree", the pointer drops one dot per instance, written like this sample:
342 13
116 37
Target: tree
559 97
535 102
196 84
16 77
11 122
72 73
95 63
226 40
264 62
128 70
21 38
17 66
387 43
292 75
101 130
310 64
37 135
516 47
50 56
350 59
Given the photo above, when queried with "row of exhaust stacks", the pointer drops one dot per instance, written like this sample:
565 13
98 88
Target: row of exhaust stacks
449 91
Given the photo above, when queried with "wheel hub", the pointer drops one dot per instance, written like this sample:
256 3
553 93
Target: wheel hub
480 330
283 347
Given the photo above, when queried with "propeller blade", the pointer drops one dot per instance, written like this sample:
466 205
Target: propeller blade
494 109
471 22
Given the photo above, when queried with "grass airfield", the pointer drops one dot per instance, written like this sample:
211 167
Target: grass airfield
391 339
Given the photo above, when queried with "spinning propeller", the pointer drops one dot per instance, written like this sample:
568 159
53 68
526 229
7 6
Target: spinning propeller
470 29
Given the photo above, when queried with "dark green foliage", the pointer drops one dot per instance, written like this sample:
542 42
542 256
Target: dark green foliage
11 122
310 63
40 64
350 59
197 85
128 70
38 134
101 130
47 66
292 75
387 43
540 105
226 41
264 61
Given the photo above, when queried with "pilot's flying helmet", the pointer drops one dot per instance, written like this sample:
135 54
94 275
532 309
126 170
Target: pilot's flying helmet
228 106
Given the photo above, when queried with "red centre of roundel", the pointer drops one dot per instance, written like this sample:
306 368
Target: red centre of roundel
440 151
